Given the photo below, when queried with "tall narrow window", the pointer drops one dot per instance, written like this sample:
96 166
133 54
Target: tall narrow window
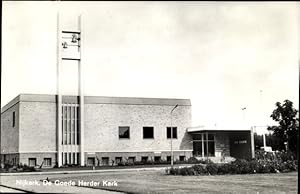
69 125
14 119
78 125
148 132
174 132
124 132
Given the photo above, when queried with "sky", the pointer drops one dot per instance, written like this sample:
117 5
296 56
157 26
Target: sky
222 56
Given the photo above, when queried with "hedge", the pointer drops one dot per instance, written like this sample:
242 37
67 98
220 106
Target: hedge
262 163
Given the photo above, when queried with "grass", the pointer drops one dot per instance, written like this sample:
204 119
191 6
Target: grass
159 182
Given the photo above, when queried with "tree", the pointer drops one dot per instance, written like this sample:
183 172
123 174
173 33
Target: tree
286 115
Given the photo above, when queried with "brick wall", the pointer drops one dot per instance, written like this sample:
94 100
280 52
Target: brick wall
37 126
102 122
34 134
24 157
9 134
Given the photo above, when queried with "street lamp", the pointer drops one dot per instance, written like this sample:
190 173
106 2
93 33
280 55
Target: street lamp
243 109
172 158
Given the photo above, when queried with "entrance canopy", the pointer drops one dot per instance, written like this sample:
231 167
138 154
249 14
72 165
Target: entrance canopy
201 129
219 142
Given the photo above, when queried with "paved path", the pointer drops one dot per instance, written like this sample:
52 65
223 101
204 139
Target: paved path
4 189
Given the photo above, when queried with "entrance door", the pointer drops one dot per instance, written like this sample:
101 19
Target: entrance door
240 145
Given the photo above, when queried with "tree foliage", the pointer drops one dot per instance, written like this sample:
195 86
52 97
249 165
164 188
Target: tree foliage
286 116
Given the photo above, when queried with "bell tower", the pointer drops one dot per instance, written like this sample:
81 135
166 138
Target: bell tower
70 117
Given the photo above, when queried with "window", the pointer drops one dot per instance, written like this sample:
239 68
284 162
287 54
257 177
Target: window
169 158
47 162
174 132
204 144
70 124
74 161
131 159
78 158
91 161
66 158
157 158
181 158
144 158
124 133
105 161
14 119
31 161
118 160
148 132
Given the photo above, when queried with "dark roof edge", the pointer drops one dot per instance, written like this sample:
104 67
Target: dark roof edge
97 100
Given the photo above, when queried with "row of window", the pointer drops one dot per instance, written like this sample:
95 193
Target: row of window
91 161
148 132
71 134
46 163
70 125
104 160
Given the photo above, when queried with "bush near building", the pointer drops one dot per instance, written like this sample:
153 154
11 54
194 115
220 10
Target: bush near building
17 168
7 167
262 163
191 160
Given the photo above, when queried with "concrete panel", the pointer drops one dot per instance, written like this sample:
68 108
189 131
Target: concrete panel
102 122
37 127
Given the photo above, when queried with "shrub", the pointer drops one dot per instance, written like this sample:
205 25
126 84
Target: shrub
224 169
28 169
205 161
263 163
174 171
186 171
212 168
192 160
7 166
285 156
199 169
240 166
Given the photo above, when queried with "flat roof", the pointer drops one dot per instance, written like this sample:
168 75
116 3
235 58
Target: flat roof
97 100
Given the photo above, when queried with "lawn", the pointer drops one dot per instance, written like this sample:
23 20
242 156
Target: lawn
159 182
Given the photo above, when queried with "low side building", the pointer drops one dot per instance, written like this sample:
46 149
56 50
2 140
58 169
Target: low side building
116 129
219 143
